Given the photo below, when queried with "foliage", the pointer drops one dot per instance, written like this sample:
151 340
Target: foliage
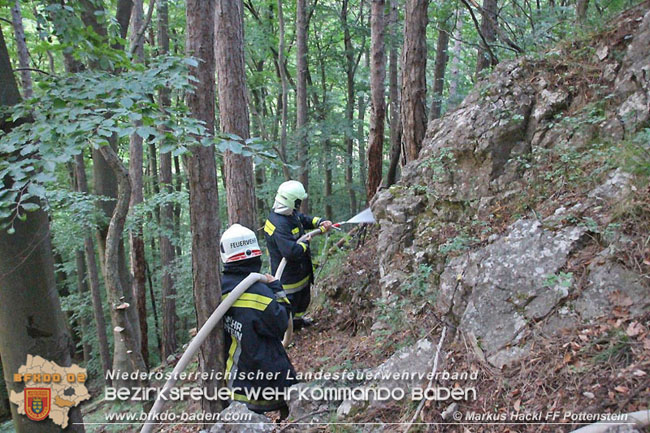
393 310
562 280
636 154
459 243
70 112
93 108
440 163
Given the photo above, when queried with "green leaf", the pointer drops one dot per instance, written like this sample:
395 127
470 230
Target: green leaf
126 102
59 103
146 131
30 207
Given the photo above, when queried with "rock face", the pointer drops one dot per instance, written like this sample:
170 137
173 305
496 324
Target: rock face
496 291
633 82
405 369
303 408
611 285
517 281
244 421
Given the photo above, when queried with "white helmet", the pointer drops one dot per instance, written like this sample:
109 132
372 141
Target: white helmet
289 192
239 243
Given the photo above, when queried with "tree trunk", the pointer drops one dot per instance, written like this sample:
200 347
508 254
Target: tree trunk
177 206
350 67
361 142
485 59
31 320
105 183
73 66
138 265
454 67
260 113
439 70
393 91
167 253
284 94
23 53
127 354
581 11
62 289
328 163
414 84
82 288
378 111
301 97
233 111
204 198
361 134
93 275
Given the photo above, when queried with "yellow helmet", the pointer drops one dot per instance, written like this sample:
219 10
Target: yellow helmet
289 192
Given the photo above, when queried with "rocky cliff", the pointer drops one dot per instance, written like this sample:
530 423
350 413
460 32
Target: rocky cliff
515 197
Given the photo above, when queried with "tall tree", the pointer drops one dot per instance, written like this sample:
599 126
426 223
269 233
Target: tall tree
167 252
136 241
301 96
361 127
104 176
204 198
488 35
378 111
414 83
393 92
31 319
351 64
111 179
233 111
93 274
323 111
581 10
283 99
23 53
82 289
454 67
442 46
127 354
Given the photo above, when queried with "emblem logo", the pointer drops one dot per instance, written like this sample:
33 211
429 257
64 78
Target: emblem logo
37 403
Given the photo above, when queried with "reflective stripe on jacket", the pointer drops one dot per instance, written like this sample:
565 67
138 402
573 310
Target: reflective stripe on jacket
253 330
282 233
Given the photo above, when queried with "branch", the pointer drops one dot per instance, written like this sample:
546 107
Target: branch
478 29
6 21
32 69
496 26
147 21
433 375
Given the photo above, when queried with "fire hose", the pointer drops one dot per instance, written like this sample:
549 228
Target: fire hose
216 316
207 328
195 344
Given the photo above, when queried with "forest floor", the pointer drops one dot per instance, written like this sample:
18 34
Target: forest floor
596 368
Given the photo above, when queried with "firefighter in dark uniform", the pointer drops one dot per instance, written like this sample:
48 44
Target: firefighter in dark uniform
254 325
284 226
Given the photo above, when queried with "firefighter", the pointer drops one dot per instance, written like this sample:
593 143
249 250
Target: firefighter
284 226
254 325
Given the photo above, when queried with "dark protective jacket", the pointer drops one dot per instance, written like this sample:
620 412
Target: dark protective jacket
282 233
253 331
